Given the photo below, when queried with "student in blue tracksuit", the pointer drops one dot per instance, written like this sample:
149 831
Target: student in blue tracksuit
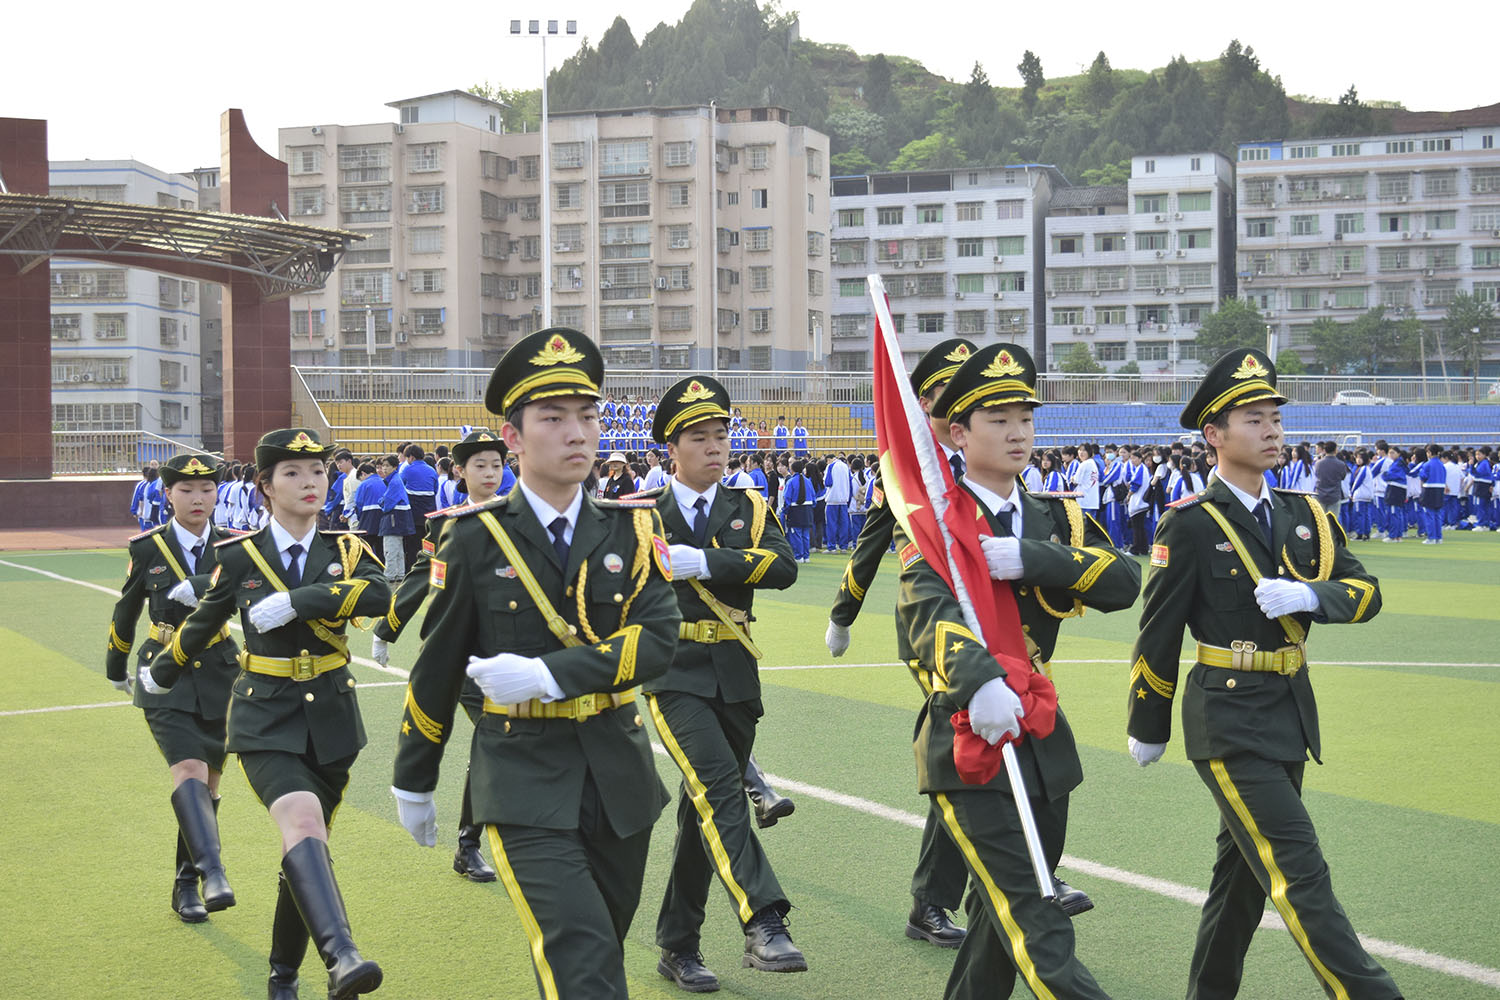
156 501
1112 476
1434 476
1361 495
1483 476
818 472
333 507
797 511
799 440
1394 477
140 507
780 434
840 487
395 517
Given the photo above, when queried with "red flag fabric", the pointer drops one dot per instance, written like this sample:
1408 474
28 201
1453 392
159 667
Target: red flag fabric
902 430
977 761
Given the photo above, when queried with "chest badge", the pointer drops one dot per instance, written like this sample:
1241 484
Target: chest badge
251 584
613 563
1225 546
737 523
1304 532
508 572
156 569
335 570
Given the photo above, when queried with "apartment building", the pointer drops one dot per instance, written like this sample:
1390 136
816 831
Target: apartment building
958 251
1132 269
125 341
679 237
1329 228
210 327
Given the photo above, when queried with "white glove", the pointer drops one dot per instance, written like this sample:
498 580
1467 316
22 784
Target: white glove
183 594
148 683
1284 597
1003 556
273 612
1145 753
508 679
418 814
995 711
837 639
125 685
380 651
687 562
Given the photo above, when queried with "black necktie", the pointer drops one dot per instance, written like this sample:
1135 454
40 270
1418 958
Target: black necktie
559 527
293 566
956 463
1263 515
197 556
700 522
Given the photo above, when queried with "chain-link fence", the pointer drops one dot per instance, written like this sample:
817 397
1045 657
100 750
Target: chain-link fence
103 452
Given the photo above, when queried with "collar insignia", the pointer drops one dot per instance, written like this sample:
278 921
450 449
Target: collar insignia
1250 368
303 443
557 352
695 391
1002 366
959 354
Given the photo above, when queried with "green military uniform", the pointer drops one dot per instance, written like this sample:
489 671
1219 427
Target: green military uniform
706 705
568 789
1249 719
1068 563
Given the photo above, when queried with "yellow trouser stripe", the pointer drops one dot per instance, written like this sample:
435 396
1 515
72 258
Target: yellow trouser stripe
1013 930
1278 880
523 910
705 813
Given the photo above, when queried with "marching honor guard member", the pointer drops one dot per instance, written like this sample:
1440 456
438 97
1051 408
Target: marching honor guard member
169 571
726 543
1057 561
1248 569
293 717
560 606
480 459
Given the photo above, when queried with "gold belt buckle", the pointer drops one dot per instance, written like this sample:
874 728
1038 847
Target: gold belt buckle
1242 654
304 667
164 634
586 706
706 632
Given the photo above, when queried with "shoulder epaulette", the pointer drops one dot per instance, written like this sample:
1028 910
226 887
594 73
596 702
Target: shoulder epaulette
1292 492
465 510
148 532
239 536
632 502
646 494
335 532
450 511
1189 500
1056 495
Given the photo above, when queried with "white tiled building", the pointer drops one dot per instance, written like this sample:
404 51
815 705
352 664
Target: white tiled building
1334 227
1131 270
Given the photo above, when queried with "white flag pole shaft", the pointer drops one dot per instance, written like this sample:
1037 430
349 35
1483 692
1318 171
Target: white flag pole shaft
932 478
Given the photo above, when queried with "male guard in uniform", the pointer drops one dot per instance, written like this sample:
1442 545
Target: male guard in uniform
561 605
725 544
1057 560
1248 569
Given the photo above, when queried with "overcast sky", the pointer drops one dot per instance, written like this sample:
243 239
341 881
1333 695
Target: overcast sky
118 81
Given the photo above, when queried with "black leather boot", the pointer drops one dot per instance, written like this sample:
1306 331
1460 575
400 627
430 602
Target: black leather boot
198 820
186 902
686 969
288 945
930 922
467 861
769 806
768 944
309 876
1073 901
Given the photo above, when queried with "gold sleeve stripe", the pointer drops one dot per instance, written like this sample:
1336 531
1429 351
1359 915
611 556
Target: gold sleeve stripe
852 585
425 724
1143 672
767 558
391 618
1366 590
950 637
356 587
115 641
178 656
1103 558
629 638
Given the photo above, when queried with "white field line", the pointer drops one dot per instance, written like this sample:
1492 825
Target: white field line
1172 890
1323 663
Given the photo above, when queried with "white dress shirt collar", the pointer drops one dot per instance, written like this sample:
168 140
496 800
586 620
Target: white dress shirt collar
284 541
186 540
998 505
546 513
1250 502
686 497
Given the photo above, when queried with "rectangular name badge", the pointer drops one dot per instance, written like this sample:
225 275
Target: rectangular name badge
437 574
1158 555
910 554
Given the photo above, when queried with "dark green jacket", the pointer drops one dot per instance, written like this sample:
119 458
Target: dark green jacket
531 772
407 598
740 560
864 562
1198 582
1056 574
278 713
150 575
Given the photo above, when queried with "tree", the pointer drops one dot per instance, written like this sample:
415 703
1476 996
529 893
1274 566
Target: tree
852 161
1333 345
1129 368
1289 362
523 108
937 150
1099 89
1080 361
1350 116
878 83
1110 173
1467 325
1032 79
1236 323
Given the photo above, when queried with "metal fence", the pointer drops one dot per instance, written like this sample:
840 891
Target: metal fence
77 453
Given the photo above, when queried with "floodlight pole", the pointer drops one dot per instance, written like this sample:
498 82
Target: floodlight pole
535 28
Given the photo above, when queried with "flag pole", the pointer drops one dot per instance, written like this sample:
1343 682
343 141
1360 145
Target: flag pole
932 481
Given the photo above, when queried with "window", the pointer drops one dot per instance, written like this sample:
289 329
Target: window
425 158
426 280
1067 279
758 240
1112 351
674 318
1192 313
1303 298
1484 218
1349 259
890 250
375 249
1010 281
1442 220
1067 244
760 321
1486 142
1145 204
1110 316
1109 279
494 246
814 243
567 238
851 288
1254 153
1302 152
567 155
1487 291
427 322
1393 185
929 213
1195 239
1013 208
814 283
567 278
1437 145
679 195
760 279
307 201
851 252
1349 222
1071 316
1440 183
930 322
931 249
1150 166
1006 246
530 208
531 167
1485 181
1255 227
814 163
757 157
491 206
87 284
970 283
306 160
1442 258
359 288
1304 225
1401 146
731 198
424 200
1394 222
677 154
67 326
567 196
624 199
1151 241
1153 350
364 164
1195 201
1345 149
1487 256
970 211
1350 298
851 217
168 330
852 325
109 326
758 198
680 278
1109 242
971 247
1195 275
889 216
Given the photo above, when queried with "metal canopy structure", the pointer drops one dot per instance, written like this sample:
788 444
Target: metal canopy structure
282 258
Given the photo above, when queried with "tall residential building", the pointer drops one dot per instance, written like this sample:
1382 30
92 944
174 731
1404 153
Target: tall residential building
958 251
1133 269
211 327
125 349
1334 227
667 226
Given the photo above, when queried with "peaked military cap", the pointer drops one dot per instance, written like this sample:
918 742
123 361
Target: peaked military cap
1240 377
993 376
190 467
547 364
939 364
289 444
482 439
687 402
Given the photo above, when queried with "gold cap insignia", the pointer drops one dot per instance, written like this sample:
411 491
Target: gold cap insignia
1251 368
486 437
695 391
196 468
959 354
557 352
303 443
1002 366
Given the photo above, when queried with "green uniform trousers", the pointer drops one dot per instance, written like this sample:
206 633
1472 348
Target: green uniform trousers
710 740
940 874
1267 847
1012 929
575 893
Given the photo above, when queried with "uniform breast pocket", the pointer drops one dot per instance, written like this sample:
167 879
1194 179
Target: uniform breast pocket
511 622
607 593
1229 586
1302 556
157 586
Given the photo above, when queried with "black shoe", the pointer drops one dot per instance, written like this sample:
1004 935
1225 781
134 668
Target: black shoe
930 923
769 806
196 817
309 876
288 945
768 944
1073 901
686 969
467 861
186 902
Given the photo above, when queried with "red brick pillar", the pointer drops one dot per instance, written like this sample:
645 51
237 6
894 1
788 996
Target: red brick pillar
25 320
257 334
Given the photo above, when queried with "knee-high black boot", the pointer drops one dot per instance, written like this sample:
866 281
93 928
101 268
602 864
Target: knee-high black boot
197 819
468 861
309 876
186 902
769 806
288 945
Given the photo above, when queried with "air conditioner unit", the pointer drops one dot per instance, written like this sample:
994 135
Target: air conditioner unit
1051 293
605 285
1161 253
1426 236
400 275
1159 218
661 283
561 248
1428 273
1402 200
316 130
1177 215
1180 289
1338 237
510 296
1088 329
643 170
1097 292
1182 253
401 336
1161 291
87 377
680 245
400 129
1406 236
327 341
1338 274
898 264
1075 329
75 377
999 295
1269 314
1161 327
921 263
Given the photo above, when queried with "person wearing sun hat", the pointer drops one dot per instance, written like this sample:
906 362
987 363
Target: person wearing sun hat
1248 569
559 606
1056 560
